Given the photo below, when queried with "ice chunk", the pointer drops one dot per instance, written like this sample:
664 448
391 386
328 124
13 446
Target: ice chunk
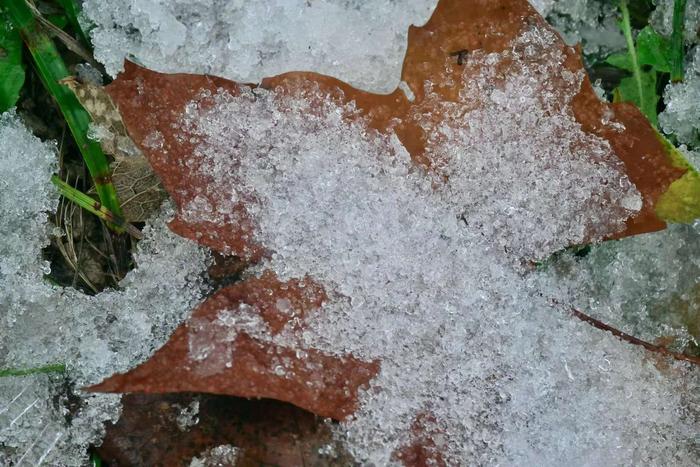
543 6
39 425
647 286
188 416
681 117
219 456
358 41
27 197
593 23
361 42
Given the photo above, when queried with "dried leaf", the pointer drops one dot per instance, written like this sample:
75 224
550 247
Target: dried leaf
202 355
138 188
250 365
152 105
265 432
114 138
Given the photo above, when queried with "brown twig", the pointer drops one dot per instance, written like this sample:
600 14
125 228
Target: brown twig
634 340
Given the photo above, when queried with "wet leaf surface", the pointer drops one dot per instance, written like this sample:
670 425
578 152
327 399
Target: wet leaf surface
265 432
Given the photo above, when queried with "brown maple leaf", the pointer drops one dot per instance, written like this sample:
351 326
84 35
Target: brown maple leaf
152 105
203 355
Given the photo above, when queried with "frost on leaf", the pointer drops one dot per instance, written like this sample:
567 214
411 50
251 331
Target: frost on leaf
389 233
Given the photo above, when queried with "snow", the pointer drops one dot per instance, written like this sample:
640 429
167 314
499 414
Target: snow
593 23
188 416
647 285
662 19
222 455
42 324
423 273
681 117
361 42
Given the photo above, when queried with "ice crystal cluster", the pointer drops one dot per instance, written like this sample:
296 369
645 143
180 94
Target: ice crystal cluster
647 285
593 23
662 19
361 42
419 267
681 117
422 270
358 41
42 324
219 456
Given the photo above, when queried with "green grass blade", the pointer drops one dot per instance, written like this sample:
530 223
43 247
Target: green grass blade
57 368
677 40
72 10
51 69
11 69
93 206
627 31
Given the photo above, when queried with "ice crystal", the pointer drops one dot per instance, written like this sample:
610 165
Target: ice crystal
647 286
593 23
188 416
419 271
681 117
220 456
358 41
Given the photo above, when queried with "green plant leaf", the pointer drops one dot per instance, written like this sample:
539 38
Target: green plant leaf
57 368
72 9
628 91
52 69
654 50
620 60
11 67
60 21
681 201
677 48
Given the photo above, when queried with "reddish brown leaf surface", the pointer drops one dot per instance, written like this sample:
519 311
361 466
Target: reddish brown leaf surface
201 357
425 445
153 104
